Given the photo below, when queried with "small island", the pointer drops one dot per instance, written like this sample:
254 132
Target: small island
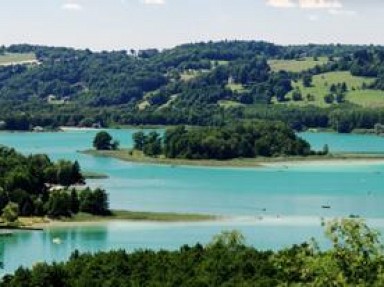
242 145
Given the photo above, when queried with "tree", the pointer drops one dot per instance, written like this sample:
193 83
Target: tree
3 198
153 145
94 202
139 140
103 141
357 250
75 202
340 97
65 173
329 98
307 80
325 149
297 96
10 212
59 204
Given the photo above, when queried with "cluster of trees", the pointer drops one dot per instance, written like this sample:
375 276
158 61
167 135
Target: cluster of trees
26 187
65 203
104 141
336 93
249 140
355 258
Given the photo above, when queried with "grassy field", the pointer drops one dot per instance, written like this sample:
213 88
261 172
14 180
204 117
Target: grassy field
367 98
190 74
236 87
229 104
13 58
321 84
296 65
141 216
36 222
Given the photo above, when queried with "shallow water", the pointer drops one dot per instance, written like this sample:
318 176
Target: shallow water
291 195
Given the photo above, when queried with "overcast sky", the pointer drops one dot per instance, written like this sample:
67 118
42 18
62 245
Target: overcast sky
125 24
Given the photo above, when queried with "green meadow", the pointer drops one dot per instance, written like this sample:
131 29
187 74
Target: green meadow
321 84
297 65
14 58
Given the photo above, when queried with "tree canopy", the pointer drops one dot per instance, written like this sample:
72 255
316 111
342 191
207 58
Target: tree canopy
34 185
265 139
355 258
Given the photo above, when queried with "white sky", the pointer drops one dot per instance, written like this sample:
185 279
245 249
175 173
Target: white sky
125 24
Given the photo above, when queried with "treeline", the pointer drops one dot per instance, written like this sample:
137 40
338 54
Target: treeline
34 185
265 139
355 258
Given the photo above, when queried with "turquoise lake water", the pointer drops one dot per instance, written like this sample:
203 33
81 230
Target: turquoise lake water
273 206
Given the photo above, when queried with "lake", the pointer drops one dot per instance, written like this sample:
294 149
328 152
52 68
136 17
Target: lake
273 206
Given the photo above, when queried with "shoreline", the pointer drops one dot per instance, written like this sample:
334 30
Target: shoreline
329 160
83 219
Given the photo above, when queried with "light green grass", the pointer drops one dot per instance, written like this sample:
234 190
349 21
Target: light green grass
321 84
236 88
367 98
15 58
219 63
296 66
143 105
229 104
141 216
189 75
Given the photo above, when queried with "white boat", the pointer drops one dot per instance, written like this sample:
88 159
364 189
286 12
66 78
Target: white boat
56 240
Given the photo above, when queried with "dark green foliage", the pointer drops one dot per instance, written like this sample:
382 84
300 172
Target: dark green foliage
94 202
355 258
139 139
25 182
297 96
307 80
234 141
104 141
59 204
329 98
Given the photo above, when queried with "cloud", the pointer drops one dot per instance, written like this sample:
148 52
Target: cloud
153 2
313 18
306 4
72 6
281 3
341 12
320 4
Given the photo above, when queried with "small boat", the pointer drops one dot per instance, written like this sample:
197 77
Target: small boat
56 240
326 206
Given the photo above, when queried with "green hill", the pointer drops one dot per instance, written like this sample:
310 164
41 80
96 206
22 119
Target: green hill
209 83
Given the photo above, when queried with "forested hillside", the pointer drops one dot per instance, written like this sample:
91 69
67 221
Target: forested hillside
338 86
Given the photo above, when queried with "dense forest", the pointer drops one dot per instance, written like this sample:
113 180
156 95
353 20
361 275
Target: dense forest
205 84
257 139
355 258
34 185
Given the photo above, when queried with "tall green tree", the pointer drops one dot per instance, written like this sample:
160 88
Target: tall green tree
104 141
